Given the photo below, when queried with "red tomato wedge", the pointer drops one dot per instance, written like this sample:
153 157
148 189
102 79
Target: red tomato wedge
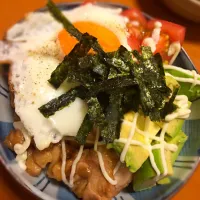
88 1
135 14
133 42
176 32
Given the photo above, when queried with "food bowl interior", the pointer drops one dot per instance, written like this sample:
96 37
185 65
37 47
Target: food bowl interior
46 188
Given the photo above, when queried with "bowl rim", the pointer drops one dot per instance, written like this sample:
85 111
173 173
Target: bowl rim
32 189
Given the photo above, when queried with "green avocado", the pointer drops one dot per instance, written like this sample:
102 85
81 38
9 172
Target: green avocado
136 155
175 125
192 93
179 140
146 176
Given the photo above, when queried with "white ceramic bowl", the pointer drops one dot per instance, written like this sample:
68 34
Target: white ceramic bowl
189 9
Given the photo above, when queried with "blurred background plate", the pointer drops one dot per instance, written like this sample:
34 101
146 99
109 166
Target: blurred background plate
189 9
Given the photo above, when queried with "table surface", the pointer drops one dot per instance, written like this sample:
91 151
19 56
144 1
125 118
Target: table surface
12 10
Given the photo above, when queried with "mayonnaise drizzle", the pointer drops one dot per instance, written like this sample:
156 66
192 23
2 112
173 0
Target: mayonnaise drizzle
156 31
182 112
174 50
69 183
21 148
188 72
64 157
131 134
186 80
21 159
117 167
101 162
155 36
73 170
162 149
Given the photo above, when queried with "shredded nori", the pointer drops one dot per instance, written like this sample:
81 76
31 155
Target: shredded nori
111 83
84 130
62 101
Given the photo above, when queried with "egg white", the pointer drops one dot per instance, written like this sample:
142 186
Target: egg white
35 53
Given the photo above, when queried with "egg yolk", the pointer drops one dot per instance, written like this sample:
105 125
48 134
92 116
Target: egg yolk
106 38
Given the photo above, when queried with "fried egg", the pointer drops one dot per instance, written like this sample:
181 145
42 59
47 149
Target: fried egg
38 45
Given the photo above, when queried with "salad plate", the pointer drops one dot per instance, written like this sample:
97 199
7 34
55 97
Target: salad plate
48 189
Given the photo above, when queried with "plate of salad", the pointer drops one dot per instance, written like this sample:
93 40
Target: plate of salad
98 102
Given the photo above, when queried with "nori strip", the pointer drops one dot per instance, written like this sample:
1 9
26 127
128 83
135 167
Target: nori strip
70 60
113 115
84 130
62 101
95 112
149 74
57 14
111 84
170 106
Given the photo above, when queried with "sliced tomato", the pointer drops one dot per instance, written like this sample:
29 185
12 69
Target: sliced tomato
135 14
176 32
88 1
162 46
136 32
133 42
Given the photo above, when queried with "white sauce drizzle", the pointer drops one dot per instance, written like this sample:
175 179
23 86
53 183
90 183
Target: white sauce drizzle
64 157
182 112
186 80
195 79
156 31
174 50
155 36
69 183
150 42
188 72
78 157
21 159
117 167
101 162
162 149
107 177
162 146
131 134
21 148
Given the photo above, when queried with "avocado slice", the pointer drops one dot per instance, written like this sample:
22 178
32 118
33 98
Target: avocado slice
146 176
136 155
192 93
175 125
179 140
